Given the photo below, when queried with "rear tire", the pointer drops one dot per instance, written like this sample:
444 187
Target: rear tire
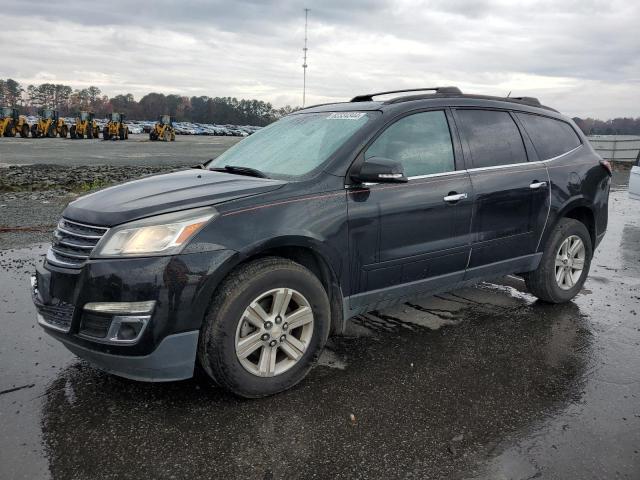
64 131
10 130
223 331
556 280
72 132
121 133
24 131
34 131
89 132
105 133
52 133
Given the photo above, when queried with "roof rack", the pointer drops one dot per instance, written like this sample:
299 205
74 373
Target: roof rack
369 96
531 100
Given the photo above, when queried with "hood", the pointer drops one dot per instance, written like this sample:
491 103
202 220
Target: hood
164 193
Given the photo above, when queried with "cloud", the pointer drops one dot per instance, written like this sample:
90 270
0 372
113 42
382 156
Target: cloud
582 57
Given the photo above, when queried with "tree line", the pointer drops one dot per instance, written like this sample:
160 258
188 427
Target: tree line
615 126
202 109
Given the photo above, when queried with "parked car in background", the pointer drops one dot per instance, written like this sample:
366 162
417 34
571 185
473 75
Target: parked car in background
248 264
634 180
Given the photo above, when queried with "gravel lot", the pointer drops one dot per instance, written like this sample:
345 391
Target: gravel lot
138 150
480 383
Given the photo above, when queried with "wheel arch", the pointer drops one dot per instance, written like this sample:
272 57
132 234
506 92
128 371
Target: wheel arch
308 252
314 255
580 209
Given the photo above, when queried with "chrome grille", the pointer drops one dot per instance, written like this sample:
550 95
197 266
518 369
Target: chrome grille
73 242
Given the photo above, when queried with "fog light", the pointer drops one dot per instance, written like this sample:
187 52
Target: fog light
127 329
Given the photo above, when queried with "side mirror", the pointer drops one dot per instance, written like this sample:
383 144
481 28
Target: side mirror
380 170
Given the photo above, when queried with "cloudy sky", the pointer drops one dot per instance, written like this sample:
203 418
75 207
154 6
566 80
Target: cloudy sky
580 56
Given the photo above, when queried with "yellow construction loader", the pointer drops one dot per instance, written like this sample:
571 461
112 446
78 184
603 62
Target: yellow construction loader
11 123
85 126
49 124
115 128
163 129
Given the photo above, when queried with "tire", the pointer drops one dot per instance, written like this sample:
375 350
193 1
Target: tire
96 133
105 133
89 132
126 134
51 132
34 131
72 132
543 282
64 131
10 131
121 133
225 321
153 136
24 131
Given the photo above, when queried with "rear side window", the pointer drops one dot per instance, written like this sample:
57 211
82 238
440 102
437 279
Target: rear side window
493 138
550 137
421 142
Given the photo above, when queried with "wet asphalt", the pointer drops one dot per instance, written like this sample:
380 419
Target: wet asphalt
480 383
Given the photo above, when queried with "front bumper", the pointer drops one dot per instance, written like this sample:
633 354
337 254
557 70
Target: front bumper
174 359
181 287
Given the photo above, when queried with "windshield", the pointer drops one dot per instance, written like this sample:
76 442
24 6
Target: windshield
84 116
165 120
295 145
6 112
115 117
47 114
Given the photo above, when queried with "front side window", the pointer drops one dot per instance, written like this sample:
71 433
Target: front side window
493 138
550 137
421 142
294 145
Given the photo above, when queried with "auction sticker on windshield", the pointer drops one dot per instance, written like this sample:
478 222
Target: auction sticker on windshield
346 116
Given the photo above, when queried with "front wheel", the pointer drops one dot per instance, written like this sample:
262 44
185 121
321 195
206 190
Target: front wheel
265 329
565 263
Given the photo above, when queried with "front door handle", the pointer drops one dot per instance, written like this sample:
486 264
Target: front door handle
455 197
537 185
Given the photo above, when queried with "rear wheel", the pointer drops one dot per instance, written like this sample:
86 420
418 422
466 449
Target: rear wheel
51 132
265 328
64 131
121 133
565 263
105 133
34 131
96 132
89 132
24 131
72 131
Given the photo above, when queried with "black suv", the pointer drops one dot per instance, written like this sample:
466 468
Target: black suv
248 263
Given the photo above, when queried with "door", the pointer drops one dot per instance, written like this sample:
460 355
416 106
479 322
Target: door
406 238
511 194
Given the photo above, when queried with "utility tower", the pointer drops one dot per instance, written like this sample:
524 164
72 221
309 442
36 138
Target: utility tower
304 64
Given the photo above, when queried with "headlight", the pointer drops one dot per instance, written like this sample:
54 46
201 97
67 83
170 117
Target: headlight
163 234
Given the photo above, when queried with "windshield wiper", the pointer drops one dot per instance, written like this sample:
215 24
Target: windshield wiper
248 171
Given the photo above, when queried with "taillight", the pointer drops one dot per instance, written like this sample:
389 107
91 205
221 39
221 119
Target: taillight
607 166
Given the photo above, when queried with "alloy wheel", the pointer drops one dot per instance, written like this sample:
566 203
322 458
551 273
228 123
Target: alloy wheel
274 332
569 262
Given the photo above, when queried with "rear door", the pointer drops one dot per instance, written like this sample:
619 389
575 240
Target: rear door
511 193
406 237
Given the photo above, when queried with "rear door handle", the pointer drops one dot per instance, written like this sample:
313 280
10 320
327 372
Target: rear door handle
536 185
455 197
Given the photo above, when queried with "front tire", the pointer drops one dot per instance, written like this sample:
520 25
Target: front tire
266 327
565 263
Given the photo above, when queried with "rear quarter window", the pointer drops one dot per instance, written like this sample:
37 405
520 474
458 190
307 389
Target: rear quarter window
550 137
492 136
